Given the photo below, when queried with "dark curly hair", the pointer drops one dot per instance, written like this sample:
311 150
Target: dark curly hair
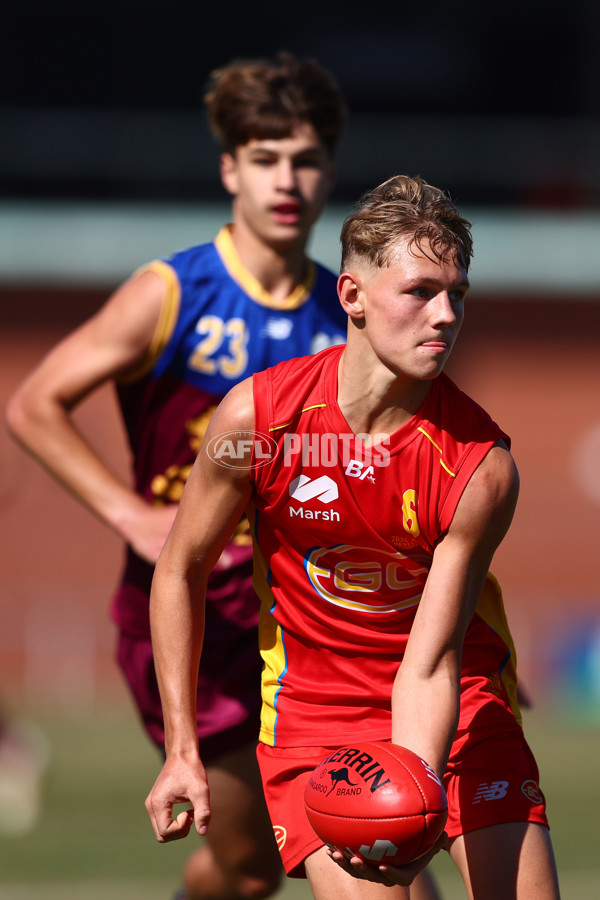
258 99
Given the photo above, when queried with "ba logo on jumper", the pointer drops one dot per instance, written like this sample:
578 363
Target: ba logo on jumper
324 489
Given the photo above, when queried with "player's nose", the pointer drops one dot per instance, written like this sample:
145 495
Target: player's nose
286 175
443 310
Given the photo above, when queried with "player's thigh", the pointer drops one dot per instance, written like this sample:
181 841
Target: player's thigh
424 887
511 861
327 880
240 828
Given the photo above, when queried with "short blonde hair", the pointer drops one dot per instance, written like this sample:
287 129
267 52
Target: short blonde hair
401 207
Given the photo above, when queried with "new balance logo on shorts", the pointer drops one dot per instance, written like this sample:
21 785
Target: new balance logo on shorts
496 790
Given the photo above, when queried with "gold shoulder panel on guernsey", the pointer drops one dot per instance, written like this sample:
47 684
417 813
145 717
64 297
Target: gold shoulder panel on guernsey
272 649
251 285
166 320
491 609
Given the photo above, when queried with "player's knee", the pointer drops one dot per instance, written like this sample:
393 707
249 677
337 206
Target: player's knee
244 888
238 880
258 887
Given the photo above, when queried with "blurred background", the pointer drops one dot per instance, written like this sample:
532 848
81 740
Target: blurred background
106 161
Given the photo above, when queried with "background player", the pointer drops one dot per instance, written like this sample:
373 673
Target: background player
175 338
380 618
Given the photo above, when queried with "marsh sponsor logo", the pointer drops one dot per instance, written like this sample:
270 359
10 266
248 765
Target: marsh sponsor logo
324 489
304 488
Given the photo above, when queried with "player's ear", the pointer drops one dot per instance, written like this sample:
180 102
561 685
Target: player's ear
351 294
229 173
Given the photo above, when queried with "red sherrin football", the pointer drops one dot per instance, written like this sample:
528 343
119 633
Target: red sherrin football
378 801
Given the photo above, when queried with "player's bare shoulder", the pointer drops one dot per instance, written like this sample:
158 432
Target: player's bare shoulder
497 477
229 439
127 327
236 409
488 503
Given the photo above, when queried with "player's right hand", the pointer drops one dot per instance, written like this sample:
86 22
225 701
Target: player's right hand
147 531
179 782
388 875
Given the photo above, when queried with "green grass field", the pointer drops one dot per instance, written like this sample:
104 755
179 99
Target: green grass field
93 839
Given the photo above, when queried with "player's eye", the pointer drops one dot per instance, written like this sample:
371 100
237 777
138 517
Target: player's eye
423 292
308 162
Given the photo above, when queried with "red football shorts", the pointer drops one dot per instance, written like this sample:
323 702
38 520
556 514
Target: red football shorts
492 778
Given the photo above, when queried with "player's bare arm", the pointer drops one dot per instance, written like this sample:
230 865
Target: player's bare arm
39 415
426 693
425 700
214 498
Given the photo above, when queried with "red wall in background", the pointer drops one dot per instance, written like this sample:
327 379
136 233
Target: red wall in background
534 364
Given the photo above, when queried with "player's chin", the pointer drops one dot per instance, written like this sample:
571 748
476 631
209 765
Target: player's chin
429 372
431 363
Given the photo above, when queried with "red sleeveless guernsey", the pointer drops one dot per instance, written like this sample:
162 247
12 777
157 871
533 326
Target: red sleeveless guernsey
343 543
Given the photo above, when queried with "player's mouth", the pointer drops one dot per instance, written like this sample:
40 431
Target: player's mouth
287 213
435 346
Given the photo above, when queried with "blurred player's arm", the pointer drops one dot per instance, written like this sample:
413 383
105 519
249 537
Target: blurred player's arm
213 500
426 695
110 344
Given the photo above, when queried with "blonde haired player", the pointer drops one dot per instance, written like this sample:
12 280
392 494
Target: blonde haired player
380 620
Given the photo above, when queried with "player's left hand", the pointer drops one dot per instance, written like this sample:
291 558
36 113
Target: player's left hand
388 875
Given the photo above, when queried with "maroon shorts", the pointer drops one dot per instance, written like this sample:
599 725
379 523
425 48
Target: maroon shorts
228 698
493 779
228 707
